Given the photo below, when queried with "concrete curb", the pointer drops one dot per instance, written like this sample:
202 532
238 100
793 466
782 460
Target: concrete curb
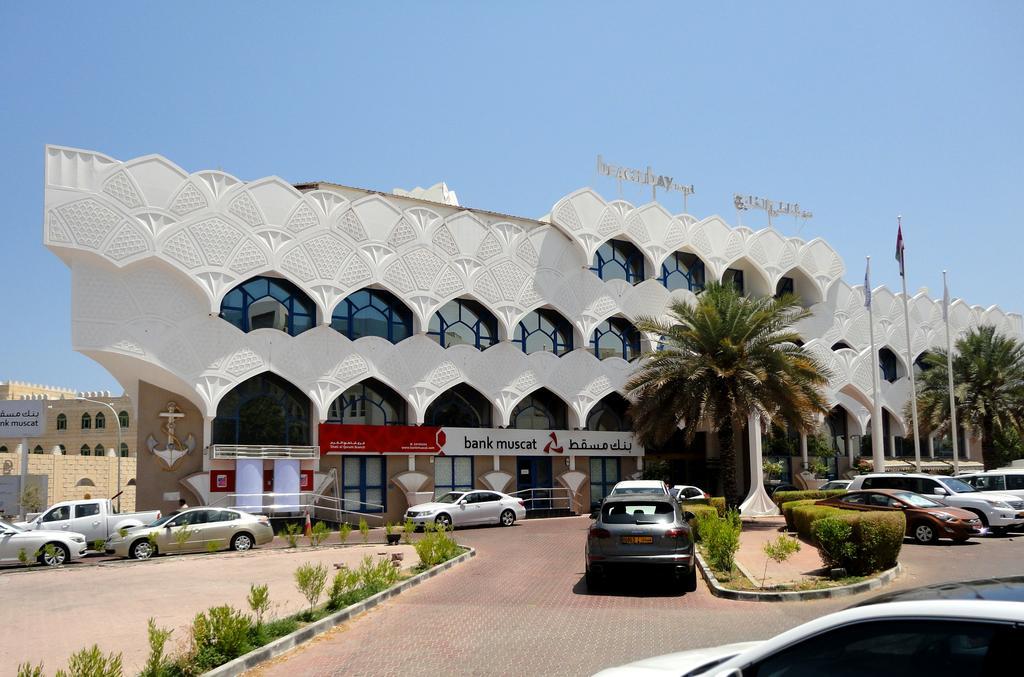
304 634
794 596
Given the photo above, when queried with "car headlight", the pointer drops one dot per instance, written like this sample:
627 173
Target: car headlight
78 539
1001 504
945 516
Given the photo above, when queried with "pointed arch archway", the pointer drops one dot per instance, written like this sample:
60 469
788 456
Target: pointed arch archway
461 406
369 402
611 412
265 409
540 410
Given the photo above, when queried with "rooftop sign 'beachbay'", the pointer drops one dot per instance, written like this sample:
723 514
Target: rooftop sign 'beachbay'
648 177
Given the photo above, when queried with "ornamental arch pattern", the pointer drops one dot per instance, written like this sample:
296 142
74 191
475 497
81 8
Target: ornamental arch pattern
153 249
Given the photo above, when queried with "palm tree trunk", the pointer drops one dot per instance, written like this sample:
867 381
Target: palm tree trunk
988 447
728 455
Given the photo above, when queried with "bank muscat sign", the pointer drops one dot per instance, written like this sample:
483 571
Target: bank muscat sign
339 439
22 418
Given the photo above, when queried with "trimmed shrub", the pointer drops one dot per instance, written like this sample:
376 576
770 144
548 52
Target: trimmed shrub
219 635
880 537
698 511
721 538
833 536
781 497
805 515
718 502
787 511
860 542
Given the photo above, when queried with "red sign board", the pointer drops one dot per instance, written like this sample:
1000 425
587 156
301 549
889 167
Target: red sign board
306 480
222 480
340 438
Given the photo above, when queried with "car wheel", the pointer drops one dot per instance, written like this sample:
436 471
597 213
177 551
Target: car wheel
57 556
924 534
508 518
688 580
981 516
141 549
445 520
241 542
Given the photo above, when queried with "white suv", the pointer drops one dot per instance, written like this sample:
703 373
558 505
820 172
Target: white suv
1005 480
639 487
998 511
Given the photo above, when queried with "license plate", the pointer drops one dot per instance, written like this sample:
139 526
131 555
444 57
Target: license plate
637 540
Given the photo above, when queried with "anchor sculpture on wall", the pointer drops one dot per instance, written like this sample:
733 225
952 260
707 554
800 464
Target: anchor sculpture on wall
175 450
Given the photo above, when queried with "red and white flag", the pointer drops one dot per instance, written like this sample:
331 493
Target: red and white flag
899 244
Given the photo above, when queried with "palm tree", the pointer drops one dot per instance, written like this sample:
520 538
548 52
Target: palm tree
988 376
721 360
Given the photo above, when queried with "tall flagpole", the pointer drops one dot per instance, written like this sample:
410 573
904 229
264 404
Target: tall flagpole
877 429
900 255
949 371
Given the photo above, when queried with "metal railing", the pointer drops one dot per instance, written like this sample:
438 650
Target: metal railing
548 498
265 452
289 504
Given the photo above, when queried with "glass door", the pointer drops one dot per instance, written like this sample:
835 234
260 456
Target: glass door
534 472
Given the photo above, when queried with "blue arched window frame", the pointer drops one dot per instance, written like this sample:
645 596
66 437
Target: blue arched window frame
622 334
614 406
542 401
396 317
227 426
888 365
619 255
547 323
465 399
236 304
682 266
371 393
470 314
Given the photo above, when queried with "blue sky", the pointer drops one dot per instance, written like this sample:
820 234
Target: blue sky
859 111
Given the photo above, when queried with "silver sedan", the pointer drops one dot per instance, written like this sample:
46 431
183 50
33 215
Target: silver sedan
466 508
193 530
641 532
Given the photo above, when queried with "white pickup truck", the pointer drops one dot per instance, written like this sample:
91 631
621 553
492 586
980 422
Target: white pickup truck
95 518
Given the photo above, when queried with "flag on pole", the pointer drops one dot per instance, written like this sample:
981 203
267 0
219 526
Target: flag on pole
867 285
899 244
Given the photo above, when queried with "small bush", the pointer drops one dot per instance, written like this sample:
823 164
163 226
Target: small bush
259 602
781 497
319 533
219 635
92 663
98 544
279 628
697 511
292 531
436 546
865 542
880 537
343 589
407 531
787 511
377 576
157 663
29 670
364 530
778 551
718 502
806 515
214 545
833 537
310 579
344 531
721 538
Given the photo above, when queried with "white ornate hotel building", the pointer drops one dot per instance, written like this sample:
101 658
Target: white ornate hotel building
383 346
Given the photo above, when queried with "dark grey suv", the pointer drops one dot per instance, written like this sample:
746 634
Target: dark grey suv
641 531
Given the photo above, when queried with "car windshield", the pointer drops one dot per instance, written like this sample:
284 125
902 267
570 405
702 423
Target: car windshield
450 497
917 500
159 521
637 490
638 512
957 486
4 524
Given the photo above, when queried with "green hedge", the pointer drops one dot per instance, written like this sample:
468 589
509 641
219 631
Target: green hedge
787 511
717 502
875 538
698 509
781 497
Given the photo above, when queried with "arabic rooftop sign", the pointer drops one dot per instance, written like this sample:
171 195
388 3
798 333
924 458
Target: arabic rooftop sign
22 418
744 202
338 438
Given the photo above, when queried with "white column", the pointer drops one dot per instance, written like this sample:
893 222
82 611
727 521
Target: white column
757 502
967 442
803 449
851 450
931 446
892 445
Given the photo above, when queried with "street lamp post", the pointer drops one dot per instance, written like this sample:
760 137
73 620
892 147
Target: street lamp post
117 453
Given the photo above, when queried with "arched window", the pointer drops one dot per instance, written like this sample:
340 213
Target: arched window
100 451
63 450
837 427
838 345
85 450
544 330
38 449
368 402
62 422
132 482
540 410
122 419
616 337
921 364
463 322
610 414
85 482
785 286
265 409
373 312
888 365
460 407
3 449
269 303
124 450
619 260
734 276
86 421
682 270
101 420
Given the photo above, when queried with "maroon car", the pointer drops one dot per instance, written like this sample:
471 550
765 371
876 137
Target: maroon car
927 521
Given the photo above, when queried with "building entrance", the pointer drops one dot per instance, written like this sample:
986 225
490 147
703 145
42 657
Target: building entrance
534 472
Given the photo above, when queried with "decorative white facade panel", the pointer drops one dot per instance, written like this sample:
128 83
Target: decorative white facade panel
153 250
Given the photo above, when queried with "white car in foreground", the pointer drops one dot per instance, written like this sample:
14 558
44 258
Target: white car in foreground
894 639
639 487
18 544
468 508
